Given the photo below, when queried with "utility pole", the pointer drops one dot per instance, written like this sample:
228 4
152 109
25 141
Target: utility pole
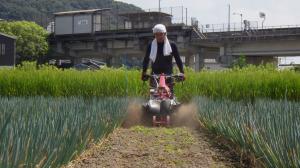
229 17
117 16
182 14
159 5
186 16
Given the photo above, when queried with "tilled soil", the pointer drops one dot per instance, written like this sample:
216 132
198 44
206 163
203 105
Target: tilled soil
144 147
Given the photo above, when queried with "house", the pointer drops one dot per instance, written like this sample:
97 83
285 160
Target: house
141 20
80 21
99 20
7 50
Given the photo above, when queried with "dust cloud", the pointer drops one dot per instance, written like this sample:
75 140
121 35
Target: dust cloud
186 116
134 114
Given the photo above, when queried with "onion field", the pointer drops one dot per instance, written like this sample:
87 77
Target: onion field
267 128
49 132
49 116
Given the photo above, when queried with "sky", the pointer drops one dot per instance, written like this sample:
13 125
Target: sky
278 12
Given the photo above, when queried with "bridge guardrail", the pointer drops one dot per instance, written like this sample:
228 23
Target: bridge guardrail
252 25
269 31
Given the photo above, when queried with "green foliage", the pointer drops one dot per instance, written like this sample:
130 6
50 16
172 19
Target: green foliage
257 125
49 132
297 68
48 81
31 38
235 84
267 128
240 62
27 66
247 83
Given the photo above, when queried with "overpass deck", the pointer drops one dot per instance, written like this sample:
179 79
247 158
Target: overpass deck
253 34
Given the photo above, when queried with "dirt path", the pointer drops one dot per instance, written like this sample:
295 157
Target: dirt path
144 147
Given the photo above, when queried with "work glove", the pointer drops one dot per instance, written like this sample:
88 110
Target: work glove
144 77
181 76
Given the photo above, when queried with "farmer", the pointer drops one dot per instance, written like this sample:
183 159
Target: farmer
161 52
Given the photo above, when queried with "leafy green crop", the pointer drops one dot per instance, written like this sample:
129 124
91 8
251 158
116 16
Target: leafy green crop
49 132
267 128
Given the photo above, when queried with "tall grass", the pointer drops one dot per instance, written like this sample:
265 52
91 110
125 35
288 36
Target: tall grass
49 132
247 83
54 82
237 84
268 128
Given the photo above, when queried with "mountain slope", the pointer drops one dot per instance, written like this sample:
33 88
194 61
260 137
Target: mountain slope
41 11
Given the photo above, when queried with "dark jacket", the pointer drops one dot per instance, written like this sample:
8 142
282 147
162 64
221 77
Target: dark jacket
163 64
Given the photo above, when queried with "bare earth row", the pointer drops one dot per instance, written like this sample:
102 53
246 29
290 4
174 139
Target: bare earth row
156 148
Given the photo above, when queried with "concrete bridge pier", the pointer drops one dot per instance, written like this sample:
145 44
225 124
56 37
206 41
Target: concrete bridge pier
188 60
199 59
225 57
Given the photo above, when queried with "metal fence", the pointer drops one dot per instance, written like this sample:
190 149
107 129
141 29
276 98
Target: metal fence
248 26
225 27
179 16
249 30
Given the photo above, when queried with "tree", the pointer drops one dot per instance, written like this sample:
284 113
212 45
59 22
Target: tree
240 62
31 38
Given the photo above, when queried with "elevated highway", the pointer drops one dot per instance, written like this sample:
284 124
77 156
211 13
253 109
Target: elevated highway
258 45
126 44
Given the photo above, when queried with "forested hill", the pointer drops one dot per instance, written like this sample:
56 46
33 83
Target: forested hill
41 11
